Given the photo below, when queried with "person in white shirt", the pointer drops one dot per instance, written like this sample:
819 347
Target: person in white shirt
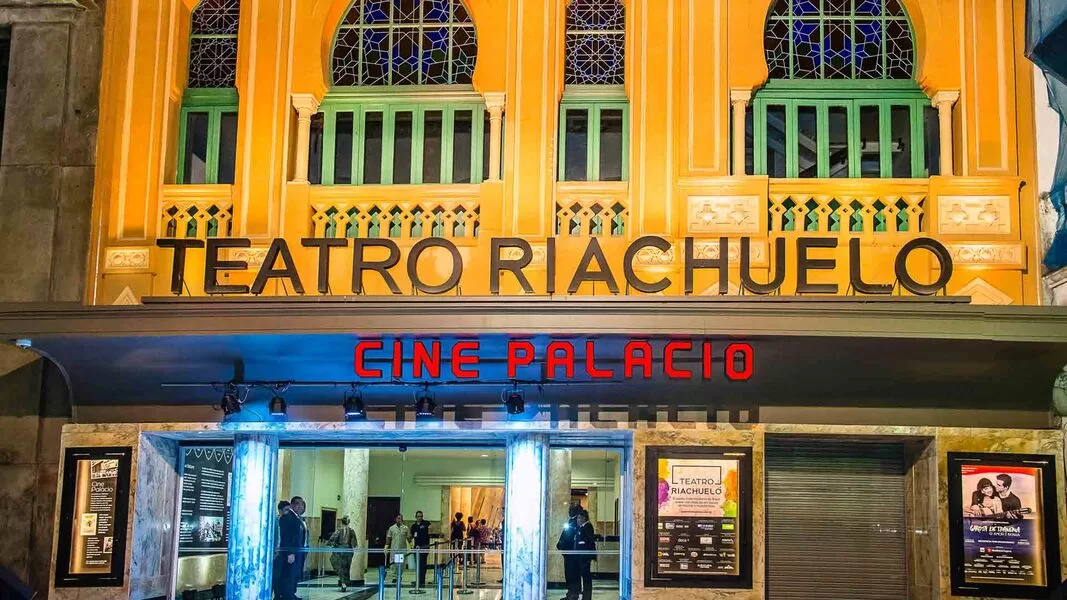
396 542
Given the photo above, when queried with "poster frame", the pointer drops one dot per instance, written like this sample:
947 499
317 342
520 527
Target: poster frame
117 576
743 454
1049 513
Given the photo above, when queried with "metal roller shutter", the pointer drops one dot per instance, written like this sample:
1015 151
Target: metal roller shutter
835 521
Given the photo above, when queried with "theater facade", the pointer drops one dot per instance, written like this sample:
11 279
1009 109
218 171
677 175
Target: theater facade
755 284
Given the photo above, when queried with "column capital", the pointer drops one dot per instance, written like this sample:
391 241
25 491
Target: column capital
949 97
305 103
743 96
495 100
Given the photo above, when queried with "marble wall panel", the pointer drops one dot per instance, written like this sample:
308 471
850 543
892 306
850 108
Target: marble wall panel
153 518
666 435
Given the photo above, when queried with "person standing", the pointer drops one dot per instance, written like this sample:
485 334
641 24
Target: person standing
343 537
471 536
585 541
396 542
277 567
420 537
570 561
294 539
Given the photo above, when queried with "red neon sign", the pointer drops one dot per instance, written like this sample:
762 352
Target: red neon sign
677 359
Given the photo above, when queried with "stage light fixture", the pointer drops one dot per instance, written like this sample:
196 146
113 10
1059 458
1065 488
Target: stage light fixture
353 405
515 401
424 404
277 406
231 400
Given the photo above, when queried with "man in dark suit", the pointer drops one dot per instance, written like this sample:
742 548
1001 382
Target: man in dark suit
570 561
293 540
585 541
277 569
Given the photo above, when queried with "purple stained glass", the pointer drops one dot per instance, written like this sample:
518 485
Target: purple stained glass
405 42
595 44
839 39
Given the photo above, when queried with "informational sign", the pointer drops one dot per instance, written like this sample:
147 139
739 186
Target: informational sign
1005 540
205 509
94 517
698 528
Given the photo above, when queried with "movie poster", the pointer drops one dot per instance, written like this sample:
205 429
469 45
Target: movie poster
94 506
205 509
92 540
699 511
1001 526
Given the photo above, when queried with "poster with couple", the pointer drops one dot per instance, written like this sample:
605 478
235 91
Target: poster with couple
1005 539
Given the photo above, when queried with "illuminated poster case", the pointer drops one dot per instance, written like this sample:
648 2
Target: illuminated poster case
698 517
1003 525
93 517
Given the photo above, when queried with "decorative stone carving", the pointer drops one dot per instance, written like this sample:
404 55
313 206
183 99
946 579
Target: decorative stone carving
253 256
652 257
126 298
974 215
709 249
990 254
116 259
540 254
724 214
983 292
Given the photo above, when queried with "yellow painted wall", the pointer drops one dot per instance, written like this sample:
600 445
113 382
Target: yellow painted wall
684 58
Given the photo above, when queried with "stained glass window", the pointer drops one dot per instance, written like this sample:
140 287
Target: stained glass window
213 44
405 42
839 39
596 42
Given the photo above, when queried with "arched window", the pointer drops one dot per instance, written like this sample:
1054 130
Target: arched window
594 112
405 42
375 126
841 100
208 132
839 39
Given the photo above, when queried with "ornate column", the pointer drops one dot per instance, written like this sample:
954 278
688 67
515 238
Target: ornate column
944 101
525 516
306 105
559 494
494 103
354 506
739 100
252 516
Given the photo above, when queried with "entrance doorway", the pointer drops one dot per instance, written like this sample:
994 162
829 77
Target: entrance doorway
836 515
381 513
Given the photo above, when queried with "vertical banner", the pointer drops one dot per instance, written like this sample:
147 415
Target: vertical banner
93 518
205 508
698 527
1004 526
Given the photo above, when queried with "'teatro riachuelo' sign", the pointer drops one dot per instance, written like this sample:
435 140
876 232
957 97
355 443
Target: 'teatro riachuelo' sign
514 255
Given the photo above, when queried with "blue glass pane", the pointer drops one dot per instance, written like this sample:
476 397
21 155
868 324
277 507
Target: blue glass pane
375 12
805 8
436 11
870 8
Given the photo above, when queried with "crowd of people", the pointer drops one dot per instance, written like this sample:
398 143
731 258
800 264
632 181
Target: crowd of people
466 540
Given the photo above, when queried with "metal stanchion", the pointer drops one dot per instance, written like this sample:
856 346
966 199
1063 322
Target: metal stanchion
466 567
399 578
451 578
381 582
438 574
418 572
478 583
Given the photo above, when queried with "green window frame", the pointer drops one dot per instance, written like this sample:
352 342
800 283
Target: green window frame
214 105
594 103
390 108
884 96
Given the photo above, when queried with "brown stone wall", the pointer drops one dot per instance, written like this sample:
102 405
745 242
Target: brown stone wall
46 179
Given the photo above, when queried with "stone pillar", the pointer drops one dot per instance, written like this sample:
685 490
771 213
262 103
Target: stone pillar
525 517
559 497
306 105
494 103
739 100
354 505
252 517
592 499
944 101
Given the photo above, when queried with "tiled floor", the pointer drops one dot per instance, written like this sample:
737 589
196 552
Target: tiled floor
326 589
